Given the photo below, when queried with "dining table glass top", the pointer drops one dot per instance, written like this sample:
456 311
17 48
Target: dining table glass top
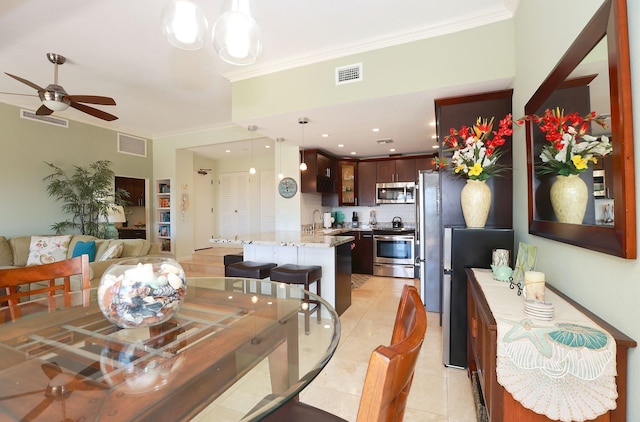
236 349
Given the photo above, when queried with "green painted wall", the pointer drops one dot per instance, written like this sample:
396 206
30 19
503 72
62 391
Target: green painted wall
25 145
607 285
482 54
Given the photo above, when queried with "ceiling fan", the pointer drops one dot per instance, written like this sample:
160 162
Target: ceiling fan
59 388
55 98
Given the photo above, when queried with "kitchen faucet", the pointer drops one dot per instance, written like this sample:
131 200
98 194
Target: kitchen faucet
313 220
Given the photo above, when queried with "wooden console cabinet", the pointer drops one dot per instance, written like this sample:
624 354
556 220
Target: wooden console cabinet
482 344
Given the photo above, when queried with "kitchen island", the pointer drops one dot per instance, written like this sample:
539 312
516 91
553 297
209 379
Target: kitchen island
332 253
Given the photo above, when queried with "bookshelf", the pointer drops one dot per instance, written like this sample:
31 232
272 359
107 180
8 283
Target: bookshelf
164 220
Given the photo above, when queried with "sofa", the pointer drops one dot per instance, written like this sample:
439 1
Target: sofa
19 251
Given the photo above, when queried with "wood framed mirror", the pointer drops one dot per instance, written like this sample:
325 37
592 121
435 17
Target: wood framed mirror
608 27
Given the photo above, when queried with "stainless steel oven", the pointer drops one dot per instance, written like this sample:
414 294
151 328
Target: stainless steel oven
393 253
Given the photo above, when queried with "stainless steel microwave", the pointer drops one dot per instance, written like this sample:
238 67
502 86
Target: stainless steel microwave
396 193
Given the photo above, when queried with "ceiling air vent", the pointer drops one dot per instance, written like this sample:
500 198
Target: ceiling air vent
385 141
348 74
56 121
128 144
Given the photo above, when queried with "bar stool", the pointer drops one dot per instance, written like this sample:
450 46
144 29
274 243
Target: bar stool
247 269
305 275
232 259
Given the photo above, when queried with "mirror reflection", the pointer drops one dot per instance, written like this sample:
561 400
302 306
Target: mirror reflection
586 89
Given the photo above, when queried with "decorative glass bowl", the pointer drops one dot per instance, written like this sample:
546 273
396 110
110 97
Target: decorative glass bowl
142 292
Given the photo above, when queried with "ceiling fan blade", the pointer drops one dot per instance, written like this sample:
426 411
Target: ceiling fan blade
15 396
43 111
15 93
92 99
51 369
93 111
36 411
24 81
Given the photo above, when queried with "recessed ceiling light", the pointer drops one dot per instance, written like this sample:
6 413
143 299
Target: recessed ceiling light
432 123
434 137
436 147
227 150
340 145
353 153
267 146
392 150
375 129
325 135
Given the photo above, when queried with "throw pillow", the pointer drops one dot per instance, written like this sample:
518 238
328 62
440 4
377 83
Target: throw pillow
88 248
6 256
114 251
48 249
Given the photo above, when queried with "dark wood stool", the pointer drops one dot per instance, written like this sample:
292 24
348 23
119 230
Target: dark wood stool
305 275
247 269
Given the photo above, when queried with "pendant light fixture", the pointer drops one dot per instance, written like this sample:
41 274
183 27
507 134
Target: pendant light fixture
252 129
236 34
281 142
303 121
184 24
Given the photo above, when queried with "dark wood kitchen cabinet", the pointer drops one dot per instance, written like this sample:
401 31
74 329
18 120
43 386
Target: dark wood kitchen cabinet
362 252
367 183
398 170
136 190
320 175
348 183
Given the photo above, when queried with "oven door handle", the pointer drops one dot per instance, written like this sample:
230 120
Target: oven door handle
392 237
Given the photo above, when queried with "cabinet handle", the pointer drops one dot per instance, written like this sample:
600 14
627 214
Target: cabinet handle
474 327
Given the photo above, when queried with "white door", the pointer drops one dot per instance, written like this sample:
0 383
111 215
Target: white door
233 202
267 201
202 205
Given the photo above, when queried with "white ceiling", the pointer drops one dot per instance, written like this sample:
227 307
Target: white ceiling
116 48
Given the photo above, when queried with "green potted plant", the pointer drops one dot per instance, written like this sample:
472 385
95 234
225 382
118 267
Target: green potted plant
88 195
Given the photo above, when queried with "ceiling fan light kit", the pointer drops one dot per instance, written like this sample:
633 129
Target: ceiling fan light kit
184 24
55 98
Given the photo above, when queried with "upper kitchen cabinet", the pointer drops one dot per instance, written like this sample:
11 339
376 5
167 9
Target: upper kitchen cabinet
319 177
348 182
135 187
424 163
397 170
366 184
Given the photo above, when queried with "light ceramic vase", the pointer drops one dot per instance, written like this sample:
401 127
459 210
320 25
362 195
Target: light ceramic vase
569 196
475 199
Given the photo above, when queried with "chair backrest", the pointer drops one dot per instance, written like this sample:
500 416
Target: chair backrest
11 280
390 371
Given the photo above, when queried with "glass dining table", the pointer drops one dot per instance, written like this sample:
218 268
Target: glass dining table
235 351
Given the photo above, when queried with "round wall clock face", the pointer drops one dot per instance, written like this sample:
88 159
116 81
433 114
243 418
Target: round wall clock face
288 187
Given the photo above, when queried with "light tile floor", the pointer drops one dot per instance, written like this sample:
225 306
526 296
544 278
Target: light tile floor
438 393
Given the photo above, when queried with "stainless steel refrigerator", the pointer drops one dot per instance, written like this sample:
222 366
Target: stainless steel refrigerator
464 248
428 238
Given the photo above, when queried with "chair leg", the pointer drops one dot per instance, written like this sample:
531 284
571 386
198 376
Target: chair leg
318 313
307 312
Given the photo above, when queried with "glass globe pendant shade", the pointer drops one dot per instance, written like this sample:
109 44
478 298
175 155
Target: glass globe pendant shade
303 166
184 24
236 34
252 170
280 176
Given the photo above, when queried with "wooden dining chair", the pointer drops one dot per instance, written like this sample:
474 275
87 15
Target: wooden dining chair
12 279
389 374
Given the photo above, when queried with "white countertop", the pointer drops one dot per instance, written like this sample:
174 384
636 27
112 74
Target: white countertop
319 239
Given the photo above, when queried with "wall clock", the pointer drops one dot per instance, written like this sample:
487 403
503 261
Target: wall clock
288 187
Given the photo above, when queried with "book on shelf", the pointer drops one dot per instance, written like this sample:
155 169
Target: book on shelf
164 203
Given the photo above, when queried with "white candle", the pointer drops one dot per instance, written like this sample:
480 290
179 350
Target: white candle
534 284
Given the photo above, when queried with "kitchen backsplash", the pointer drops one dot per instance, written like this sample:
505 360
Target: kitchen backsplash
384 213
